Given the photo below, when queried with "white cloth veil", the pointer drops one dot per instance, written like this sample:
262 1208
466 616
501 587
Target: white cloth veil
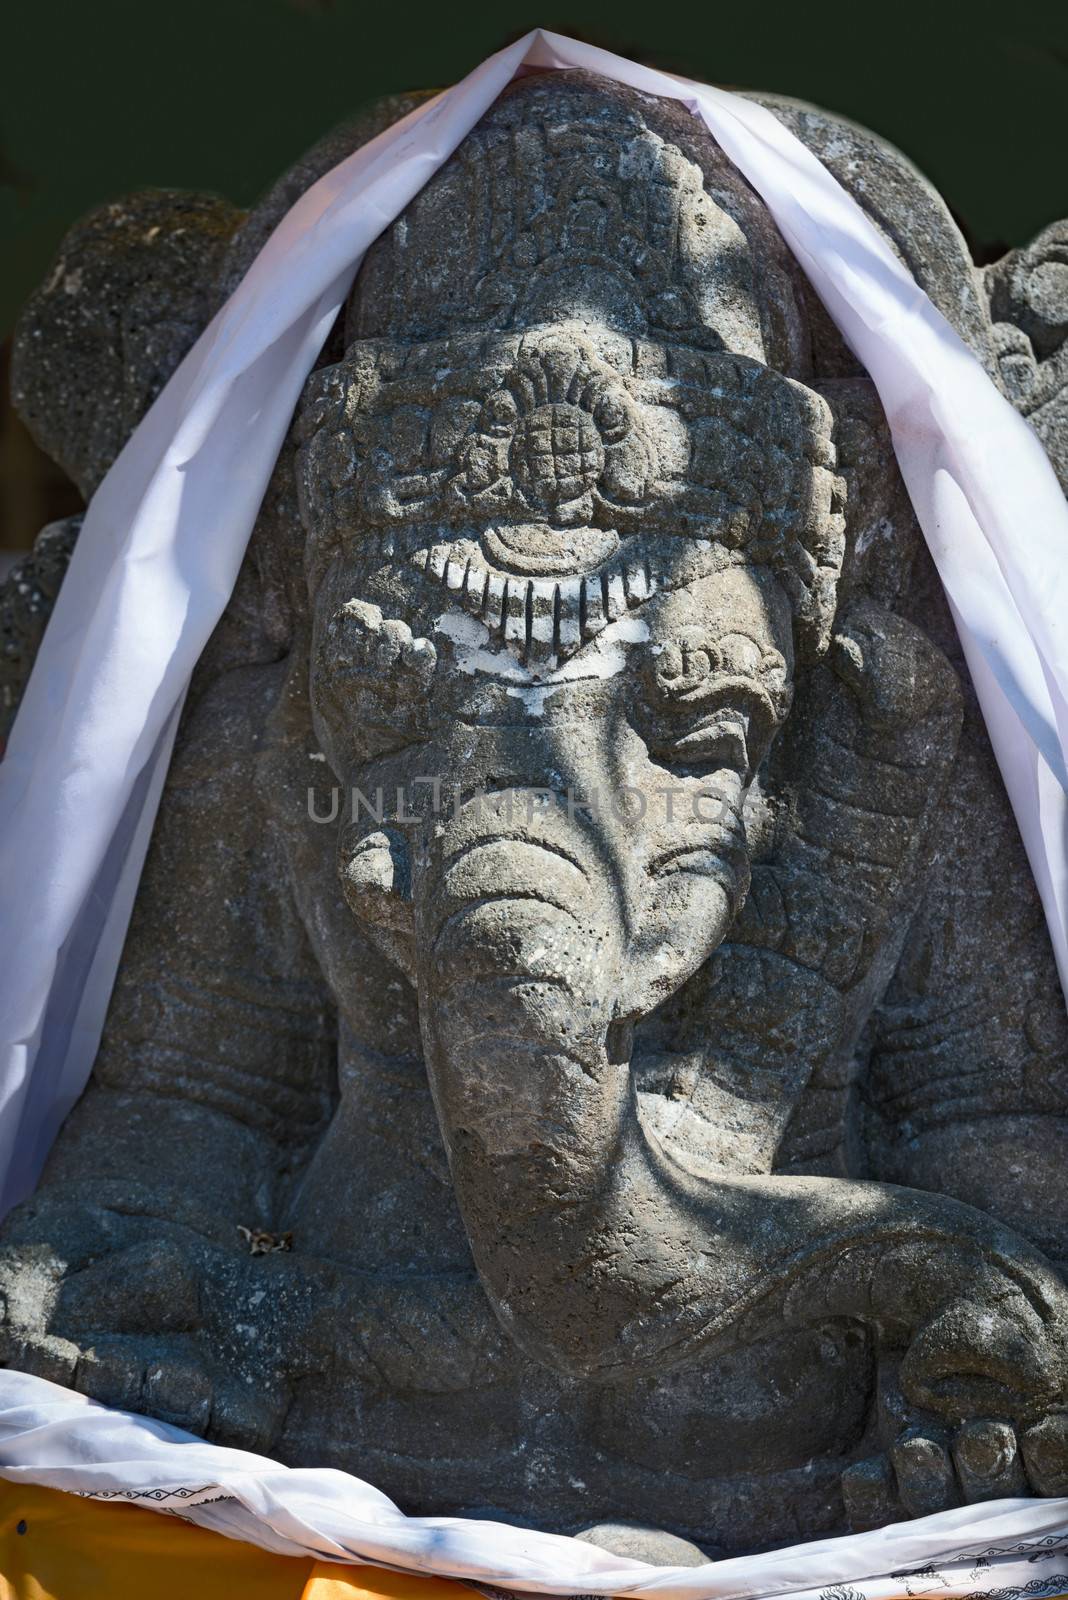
50 1436
166 531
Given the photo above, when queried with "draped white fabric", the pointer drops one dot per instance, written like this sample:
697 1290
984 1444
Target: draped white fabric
166 531
50 1436
152 572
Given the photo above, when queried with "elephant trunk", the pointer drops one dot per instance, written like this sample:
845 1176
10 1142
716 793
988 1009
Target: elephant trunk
599 1255
520 949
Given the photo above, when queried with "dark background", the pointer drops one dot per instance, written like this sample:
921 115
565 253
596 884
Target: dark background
103 96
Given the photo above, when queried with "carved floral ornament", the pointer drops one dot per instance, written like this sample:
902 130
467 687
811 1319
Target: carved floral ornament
536 465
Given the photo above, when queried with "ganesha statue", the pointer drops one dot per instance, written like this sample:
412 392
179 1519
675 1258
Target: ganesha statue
587 1048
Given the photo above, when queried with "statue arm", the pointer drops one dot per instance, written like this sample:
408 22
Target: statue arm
218 1054
215 1078
964 1087
963 1080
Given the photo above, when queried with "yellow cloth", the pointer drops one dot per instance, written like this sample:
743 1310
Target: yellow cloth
74 1549
56 1546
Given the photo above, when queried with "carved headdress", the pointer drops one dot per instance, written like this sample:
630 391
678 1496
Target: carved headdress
580 338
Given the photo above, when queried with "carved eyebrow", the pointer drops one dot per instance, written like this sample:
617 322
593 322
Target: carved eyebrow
718 629
543 619
724 664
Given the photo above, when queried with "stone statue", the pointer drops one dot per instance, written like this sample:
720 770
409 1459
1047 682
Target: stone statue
587 1048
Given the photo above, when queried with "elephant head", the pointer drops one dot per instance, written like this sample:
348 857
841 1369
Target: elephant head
576 528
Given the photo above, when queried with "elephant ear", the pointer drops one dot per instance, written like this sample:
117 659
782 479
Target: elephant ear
1028 296
888 864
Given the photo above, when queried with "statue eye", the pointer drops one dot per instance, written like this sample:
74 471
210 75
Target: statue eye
708 703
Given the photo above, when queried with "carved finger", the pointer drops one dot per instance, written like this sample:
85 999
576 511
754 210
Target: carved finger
988 1461
113 1374
971 1353
869 1494
44 1355
357 620
177 1390
375 874
149 1288
358 639
393 640
1045 1454
420 658
925 1477
247 1420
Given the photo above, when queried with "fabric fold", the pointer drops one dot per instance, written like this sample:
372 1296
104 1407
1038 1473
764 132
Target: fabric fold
55 1438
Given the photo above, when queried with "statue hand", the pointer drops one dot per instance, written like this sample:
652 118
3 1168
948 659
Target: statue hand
163 1322
983 1434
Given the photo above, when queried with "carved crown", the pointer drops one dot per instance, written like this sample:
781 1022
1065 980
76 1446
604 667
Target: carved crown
559 371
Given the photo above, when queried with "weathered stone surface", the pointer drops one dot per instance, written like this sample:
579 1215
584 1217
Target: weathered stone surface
645 1544
26 601
132 287
644 1103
